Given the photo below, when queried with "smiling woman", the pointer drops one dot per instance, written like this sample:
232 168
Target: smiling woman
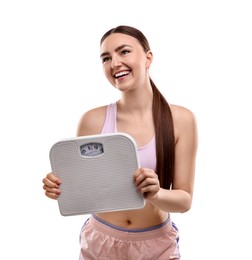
166 137
122 58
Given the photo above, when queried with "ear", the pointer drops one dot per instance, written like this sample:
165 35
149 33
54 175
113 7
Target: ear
149 58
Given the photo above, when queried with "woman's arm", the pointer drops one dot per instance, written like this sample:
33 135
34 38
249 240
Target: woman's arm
179 198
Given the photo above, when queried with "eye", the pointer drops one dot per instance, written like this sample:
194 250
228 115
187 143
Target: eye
105 59
125 51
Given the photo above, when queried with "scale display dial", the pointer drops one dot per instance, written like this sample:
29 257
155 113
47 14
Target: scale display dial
91 149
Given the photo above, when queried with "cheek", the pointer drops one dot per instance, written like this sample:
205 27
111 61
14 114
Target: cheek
108 75
106 71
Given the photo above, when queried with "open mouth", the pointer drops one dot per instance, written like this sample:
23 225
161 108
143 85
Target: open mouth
121 74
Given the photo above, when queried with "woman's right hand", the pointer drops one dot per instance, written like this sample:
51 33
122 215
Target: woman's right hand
51 186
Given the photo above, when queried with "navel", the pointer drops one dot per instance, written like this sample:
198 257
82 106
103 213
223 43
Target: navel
129 222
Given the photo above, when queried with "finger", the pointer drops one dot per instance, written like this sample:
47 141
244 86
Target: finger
144 174
51 190
149 189
137 173
53 178
52 195
51 181
148 182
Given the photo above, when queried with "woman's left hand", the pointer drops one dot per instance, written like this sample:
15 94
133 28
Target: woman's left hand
147 182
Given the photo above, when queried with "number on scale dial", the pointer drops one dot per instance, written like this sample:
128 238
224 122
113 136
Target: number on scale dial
91 149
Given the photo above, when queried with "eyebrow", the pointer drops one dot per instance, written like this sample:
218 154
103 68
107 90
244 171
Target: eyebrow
116 49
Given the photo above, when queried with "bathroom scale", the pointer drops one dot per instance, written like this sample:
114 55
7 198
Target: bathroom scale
96 173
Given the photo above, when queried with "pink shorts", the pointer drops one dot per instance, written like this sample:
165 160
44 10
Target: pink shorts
100 240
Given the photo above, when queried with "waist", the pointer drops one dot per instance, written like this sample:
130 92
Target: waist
149 216
130 234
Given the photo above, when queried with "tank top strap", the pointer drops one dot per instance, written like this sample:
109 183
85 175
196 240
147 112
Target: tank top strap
110 119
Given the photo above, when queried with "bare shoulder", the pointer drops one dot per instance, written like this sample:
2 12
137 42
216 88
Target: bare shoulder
91 122
184 119
180 112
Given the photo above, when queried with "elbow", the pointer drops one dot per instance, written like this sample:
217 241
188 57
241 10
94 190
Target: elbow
186 204
185 209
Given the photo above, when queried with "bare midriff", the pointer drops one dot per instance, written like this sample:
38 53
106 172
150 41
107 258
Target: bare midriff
148 216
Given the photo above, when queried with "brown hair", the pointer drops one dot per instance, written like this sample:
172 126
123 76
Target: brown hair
162 117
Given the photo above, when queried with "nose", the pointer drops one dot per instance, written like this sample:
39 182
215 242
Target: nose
116 61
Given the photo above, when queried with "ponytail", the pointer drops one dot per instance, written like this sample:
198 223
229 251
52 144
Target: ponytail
165 140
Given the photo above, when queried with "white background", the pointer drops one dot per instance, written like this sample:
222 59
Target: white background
50 74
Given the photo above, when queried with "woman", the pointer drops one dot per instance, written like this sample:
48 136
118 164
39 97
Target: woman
166 136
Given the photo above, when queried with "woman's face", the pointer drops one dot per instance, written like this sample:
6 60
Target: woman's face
125 63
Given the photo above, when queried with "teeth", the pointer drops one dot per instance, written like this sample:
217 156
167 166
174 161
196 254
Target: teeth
122 73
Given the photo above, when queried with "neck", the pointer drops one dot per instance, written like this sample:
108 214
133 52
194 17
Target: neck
138 100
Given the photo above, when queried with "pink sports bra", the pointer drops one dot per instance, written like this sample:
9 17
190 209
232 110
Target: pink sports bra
147 153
